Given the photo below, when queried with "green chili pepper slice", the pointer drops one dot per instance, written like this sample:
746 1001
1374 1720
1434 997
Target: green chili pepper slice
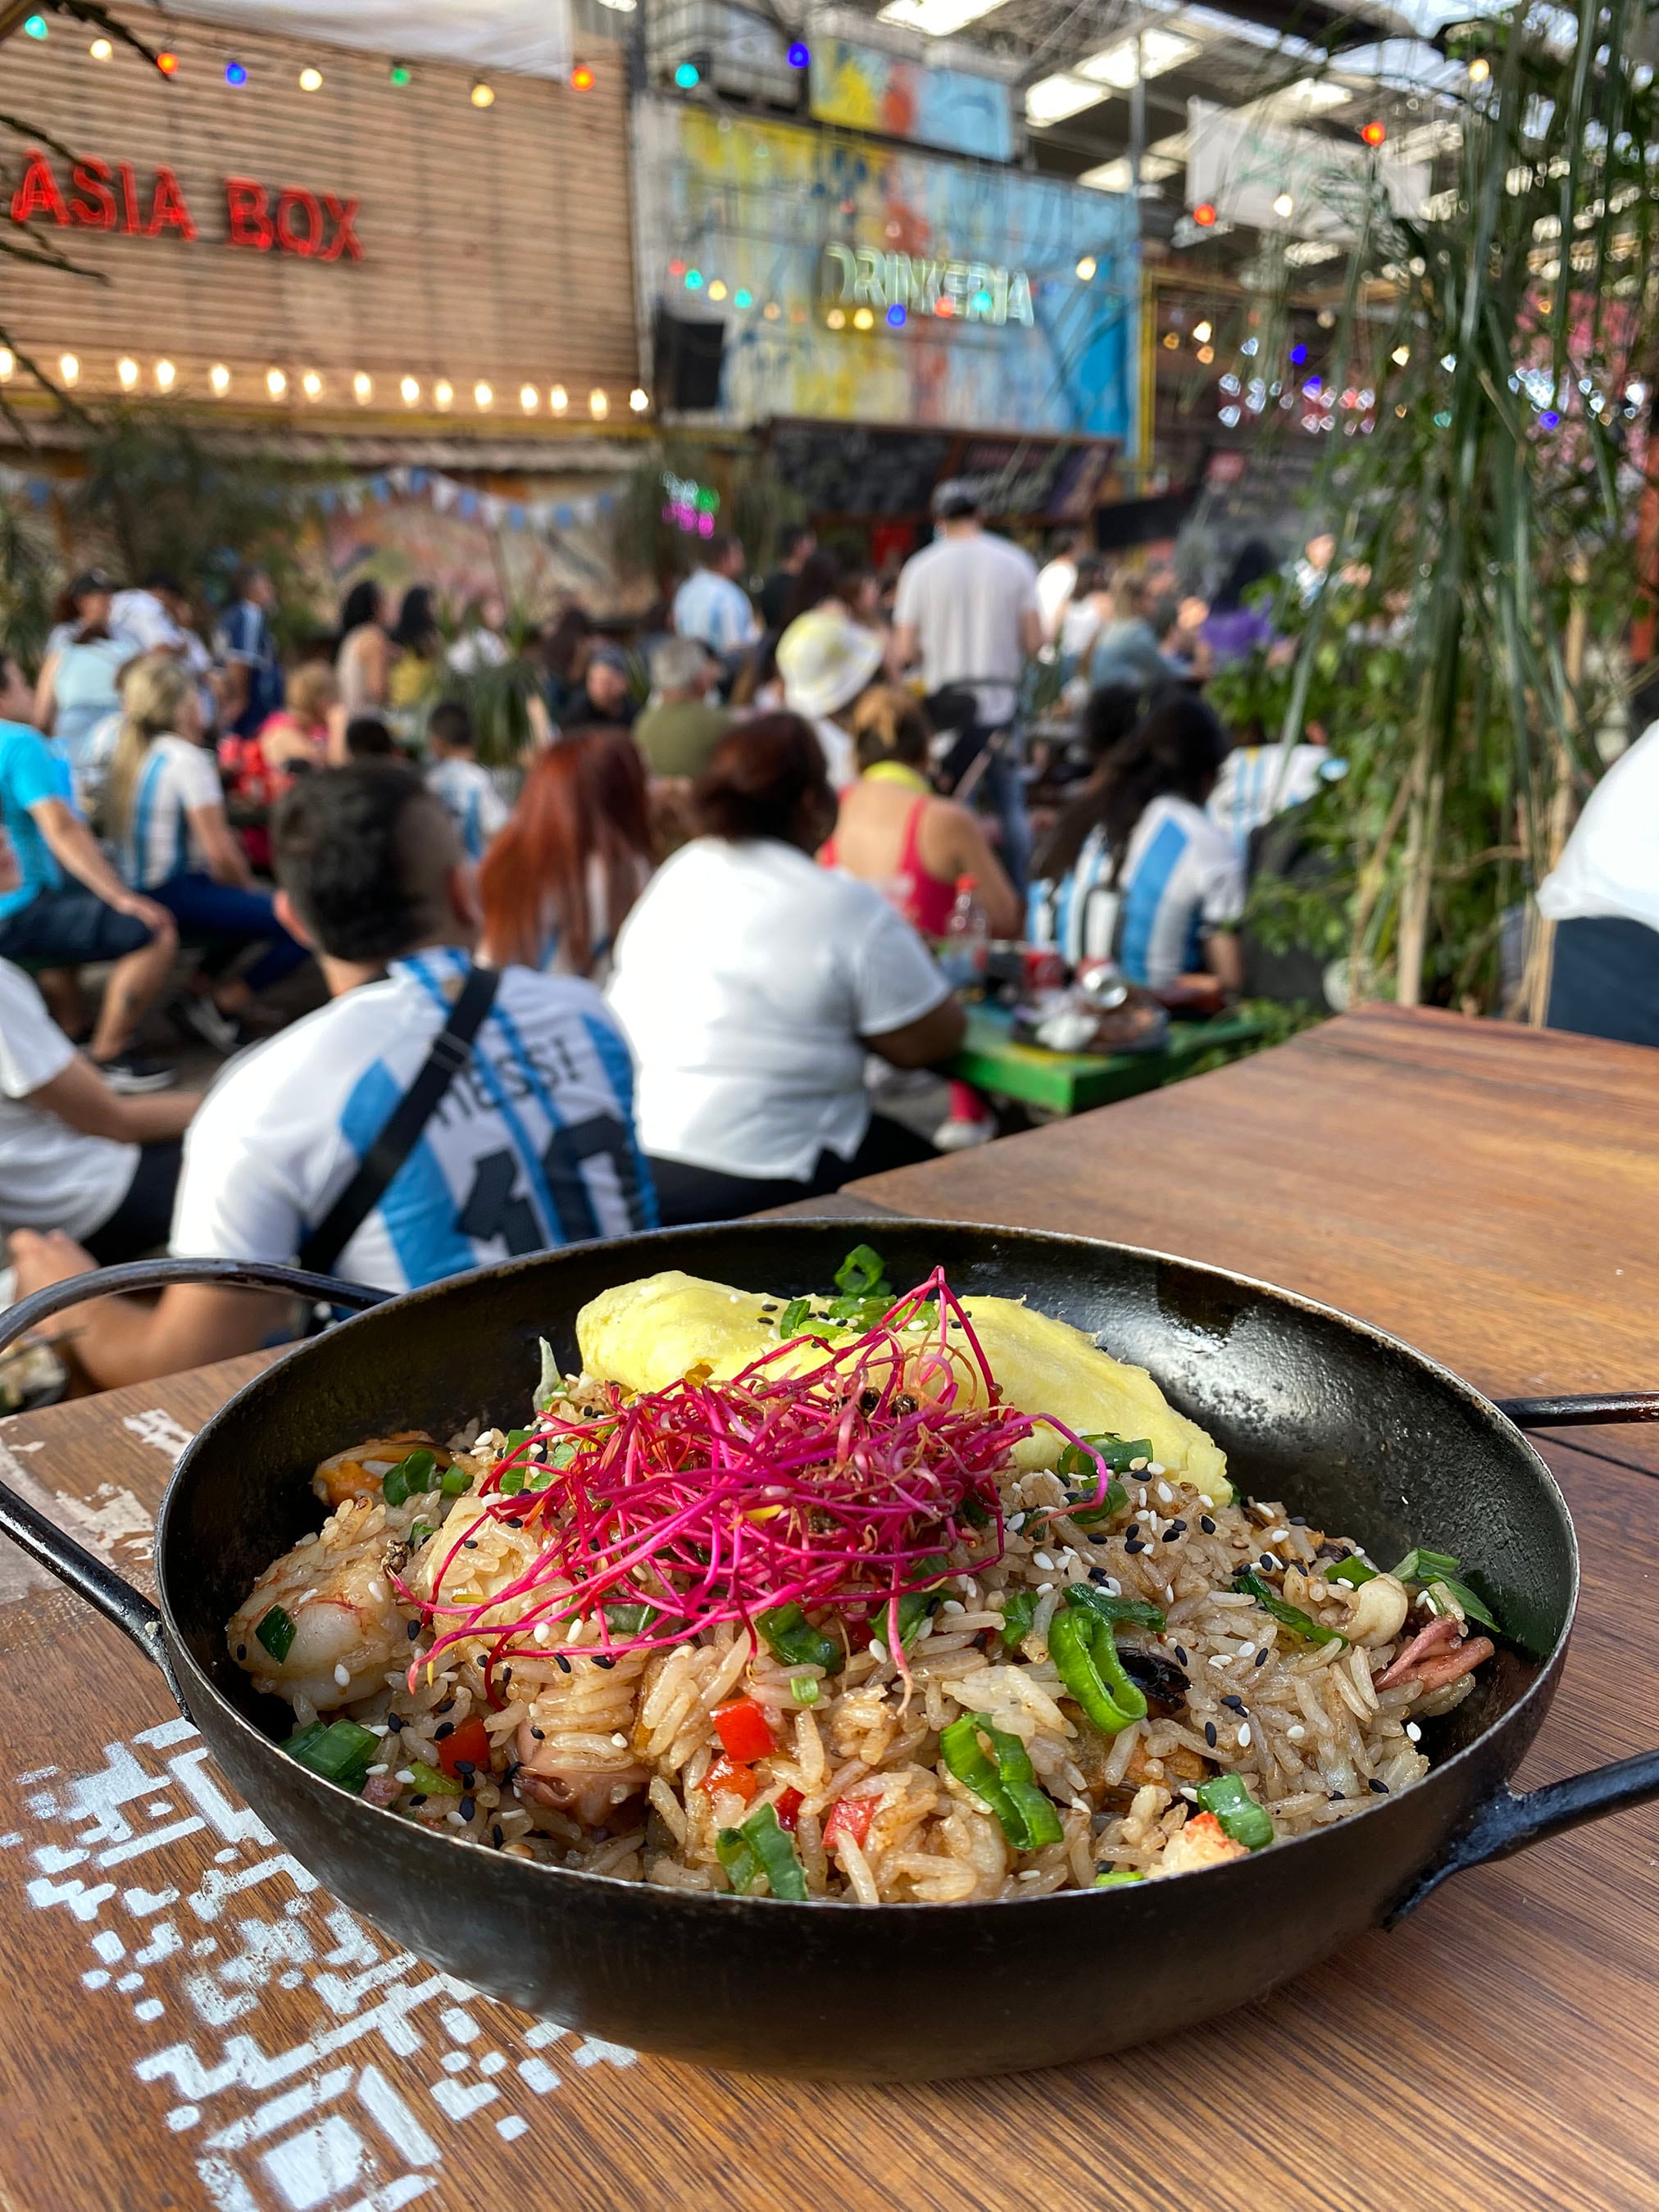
340 1752
863 1272
420 1532
742 1869
803 1689
277 1633
628 1620
1354 1570
1287 1616
1241 1817
1119 1611
1085 1650
432 1780
775 1853
456 1480
1078 1465
512 1481
915 1606
1003 1783
795 1641
1118 1878
795 1317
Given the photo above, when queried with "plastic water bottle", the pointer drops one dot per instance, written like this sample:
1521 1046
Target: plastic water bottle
967 937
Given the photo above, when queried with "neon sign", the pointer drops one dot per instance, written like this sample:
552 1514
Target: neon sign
108 196
966 291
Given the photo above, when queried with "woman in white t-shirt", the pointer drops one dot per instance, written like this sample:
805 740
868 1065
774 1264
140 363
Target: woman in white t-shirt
752 984
165 809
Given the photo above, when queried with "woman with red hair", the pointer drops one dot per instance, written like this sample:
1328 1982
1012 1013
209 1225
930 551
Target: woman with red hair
559 879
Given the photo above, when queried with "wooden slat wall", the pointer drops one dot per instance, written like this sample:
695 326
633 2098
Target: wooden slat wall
496 243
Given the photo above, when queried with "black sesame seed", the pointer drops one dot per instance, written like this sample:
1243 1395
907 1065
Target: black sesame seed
419 1798
1206 1524
466 1768
1132 1546
1381 1788
1098 1575
1180 1524
1259 1656
1209 1734
443 1729
394 1721
1338 1796
241 1651
507 1676
539 1733
1268 1565
1181 1657
469 1807
1234 1704
469 1543
562 1660
498 1835
445 1705
1134 1529
606 1663
414 1629
1298 1520
1172 1535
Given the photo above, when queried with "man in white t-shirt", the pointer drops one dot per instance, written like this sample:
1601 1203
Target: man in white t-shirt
75 1155
531 1146
967 609
1603 897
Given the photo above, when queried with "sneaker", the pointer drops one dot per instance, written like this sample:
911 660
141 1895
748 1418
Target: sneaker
197 1015
132 1073
960 1135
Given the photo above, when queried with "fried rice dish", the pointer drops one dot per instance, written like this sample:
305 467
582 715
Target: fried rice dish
884 1598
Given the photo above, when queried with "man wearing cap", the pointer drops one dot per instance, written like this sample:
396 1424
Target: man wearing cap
826 660
968 610
607 692
679 729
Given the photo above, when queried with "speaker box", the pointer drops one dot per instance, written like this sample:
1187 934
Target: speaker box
688 357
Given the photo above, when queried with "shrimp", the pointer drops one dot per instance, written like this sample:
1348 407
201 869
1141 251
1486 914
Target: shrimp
360 1472
348 1628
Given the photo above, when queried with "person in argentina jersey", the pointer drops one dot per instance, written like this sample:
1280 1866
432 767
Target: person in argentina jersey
533 1146
1149 877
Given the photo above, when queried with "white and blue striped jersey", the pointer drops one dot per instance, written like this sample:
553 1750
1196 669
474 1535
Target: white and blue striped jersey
468 795
1242 798
174 778
532 1147
1180 879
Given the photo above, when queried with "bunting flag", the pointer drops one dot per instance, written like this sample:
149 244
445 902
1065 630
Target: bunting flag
446 495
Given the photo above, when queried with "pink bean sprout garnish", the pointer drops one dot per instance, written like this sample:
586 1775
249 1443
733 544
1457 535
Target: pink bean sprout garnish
840 1486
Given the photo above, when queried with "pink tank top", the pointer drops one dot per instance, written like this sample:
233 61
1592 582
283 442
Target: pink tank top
924 900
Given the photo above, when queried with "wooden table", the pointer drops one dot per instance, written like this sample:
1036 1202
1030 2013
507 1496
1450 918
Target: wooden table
1076 1082
193 2024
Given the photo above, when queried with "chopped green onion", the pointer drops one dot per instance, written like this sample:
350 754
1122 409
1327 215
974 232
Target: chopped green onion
975 1515
795 1317
1004 1781
1240 1816
914 1605
339 1752
551 1384
456 1480
628 1619
1424 1567
1120 1612
859 1314
277 1633
803 1689
1085 1650
432 1779
1083 1511
1354 1570
512 1481
420 1533
1287 1616
742 1869
1118 1878
1018 1611
863 1272
1467 1600
795 1641
541 1478
775 1852
1078 1465
516 1438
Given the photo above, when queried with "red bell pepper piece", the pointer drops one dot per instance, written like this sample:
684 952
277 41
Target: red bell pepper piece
849 1819
787 1808
726 1774
471 1741
743 1730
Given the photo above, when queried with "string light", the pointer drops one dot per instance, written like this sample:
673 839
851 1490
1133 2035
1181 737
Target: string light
1086 268
1204 216
168 64
743 299
581 78
1400 356
799 56
1170 341
1202 333
771 311
399 74
410 390
1284 207
1206 355
443 392
363 387
34 27
100 49
8 363
1479 69
219 378
484 94
275 383
717 290
694 280
126 371
558 399
311 79
639 399
897 315
686 76
863 320
69 368
1373 134
529 399
836 320
311 385
236 73
165 375
598 405
482 395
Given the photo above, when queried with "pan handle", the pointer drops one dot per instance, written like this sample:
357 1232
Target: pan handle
1513 1819
1573 1413
84 1572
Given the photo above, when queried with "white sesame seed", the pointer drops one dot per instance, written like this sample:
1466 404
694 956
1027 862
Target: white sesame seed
1190 1793
342 1673
953 1605
620 1741
1043 1588
378 1728
878 1651
405 1774
1217 1658
1030 1873
1166 1496
1244 1735
1245 1649
1154 1467
454 1820
1168 1592
381 1769
1041 1559
1136 1465
1413 1732
1112 1586
1296 1732
1277 1536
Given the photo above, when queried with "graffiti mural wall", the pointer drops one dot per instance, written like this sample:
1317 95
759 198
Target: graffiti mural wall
878 284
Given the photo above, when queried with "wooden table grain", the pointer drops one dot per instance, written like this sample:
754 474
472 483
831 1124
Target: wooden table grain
193 2024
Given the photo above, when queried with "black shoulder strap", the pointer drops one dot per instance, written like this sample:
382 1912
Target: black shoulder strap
401 1131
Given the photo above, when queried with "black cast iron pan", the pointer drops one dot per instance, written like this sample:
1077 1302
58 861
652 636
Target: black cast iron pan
1346 1424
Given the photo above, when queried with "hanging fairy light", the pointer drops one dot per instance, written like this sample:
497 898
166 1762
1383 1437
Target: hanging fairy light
558 399
443 392
599 406
529 399
8 363
311 79
69 368
363 387
483 395
311 385
168 64
484 94
165 375
219 378
410 390
275 383
639 399
126 371
1479 69
100 49
1373 134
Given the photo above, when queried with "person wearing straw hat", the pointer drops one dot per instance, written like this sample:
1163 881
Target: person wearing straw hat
827 661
